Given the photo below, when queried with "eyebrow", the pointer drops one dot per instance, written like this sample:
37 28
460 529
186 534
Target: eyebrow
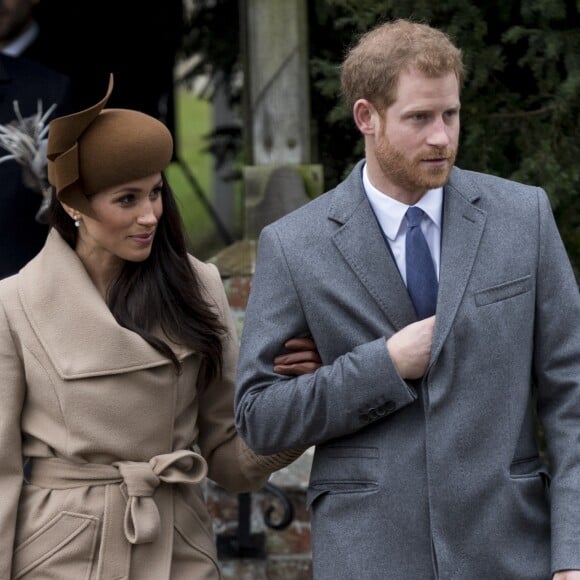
428 111
134 189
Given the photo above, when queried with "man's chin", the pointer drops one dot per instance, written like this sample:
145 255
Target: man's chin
436 177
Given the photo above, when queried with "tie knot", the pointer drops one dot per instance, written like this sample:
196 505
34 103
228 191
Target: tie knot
414 216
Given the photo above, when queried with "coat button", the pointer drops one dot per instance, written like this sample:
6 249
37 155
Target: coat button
390 406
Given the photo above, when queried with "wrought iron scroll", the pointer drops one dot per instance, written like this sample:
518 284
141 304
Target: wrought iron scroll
243 543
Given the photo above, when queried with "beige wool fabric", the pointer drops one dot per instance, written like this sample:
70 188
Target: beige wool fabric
119 443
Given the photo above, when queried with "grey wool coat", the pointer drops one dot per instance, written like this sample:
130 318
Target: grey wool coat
120 444
440 478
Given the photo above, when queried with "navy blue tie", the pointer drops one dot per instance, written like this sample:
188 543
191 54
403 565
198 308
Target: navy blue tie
421 277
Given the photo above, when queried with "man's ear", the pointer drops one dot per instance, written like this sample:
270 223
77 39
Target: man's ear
366 117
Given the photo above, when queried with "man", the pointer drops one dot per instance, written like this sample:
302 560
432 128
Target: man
25 81
18 27
426 463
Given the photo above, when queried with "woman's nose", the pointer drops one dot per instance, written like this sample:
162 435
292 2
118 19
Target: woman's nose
147 214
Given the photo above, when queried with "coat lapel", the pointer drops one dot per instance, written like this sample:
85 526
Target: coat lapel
361 243
73 323
463 225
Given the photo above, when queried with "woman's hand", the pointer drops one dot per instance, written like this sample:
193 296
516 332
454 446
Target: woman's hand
302 359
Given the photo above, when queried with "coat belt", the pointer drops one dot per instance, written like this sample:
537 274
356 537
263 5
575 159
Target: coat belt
129 490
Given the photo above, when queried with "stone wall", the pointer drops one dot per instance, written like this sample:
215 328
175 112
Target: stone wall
286 553
281 554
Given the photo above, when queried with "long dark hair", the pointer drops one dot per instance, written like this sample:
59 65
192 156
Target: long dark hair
161 292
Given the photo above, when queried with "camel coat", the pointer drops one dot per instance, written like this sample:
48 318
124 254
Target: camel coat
119 443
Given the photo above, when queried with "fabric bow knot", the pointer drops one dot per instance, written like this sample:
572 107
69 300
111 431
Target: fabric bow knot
141 479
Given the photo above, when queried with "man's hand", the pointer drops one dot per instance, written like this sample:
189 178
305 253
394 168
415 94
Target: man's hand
567 575
410 348
302 359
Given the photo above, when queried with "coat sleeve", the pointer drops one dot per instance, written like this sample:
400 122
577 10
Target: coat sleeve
557 370
231 463
275 412
12 392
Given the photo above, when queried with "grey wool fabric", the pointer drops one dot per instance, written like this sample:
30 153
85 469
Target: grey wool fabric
439 478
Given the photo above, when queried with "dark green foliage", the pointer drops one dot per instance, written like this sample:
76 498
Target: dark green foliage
211 47
211 51
520 101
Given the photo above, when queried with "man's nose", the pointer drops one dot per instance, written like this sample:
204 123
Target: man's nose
439 135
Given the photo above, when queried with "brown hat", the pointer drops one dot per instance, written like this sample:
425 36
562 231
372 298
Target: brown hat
98 148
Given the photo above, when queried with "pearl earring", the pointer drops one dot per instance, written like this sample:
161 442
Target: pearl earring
77 221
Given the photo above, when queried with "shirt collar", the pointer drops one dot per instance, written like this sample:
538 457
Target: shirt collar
391 212
20 44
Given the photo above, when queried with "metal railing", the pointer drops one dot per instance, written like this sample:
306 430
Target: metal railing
243 543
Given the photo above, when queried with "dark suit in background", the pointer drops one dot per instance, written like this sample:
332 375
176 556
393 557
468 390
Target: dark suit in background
21 236
135 41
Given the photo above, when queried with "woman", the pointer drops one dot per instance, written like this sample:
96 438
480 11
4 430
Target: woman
117 356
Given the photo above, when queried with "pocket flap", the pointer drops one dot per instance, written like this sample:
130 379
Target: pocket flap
312 494
66 531
503 291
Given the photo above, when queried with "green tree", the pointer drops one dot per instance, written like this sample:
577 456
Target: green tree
210 47
520 100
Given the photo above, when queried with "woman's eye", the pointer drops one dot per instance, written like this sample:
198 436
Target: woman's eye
126 199
155 193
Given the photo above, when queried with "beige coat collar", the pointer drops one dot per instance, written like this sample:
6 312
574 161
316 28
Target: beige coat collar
73 323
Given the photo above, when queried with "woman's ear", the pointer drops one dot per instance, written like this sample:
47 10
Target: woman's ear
74 214
366 117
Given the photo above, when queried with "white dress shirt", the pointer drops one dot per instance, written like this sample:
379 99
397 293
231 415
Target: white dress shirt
20 44
391 217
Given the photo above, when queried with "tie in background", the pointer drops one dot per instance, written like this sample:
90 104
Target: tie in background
422 282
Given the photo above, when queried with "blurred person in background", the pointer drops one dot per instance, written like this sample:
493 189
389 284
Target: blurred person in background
27 87
18 27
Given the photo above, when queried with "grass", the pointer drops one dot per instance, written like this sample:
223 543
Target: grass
193 123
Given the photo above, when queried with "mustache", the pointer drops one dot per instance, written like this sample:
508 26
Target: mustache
439 153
